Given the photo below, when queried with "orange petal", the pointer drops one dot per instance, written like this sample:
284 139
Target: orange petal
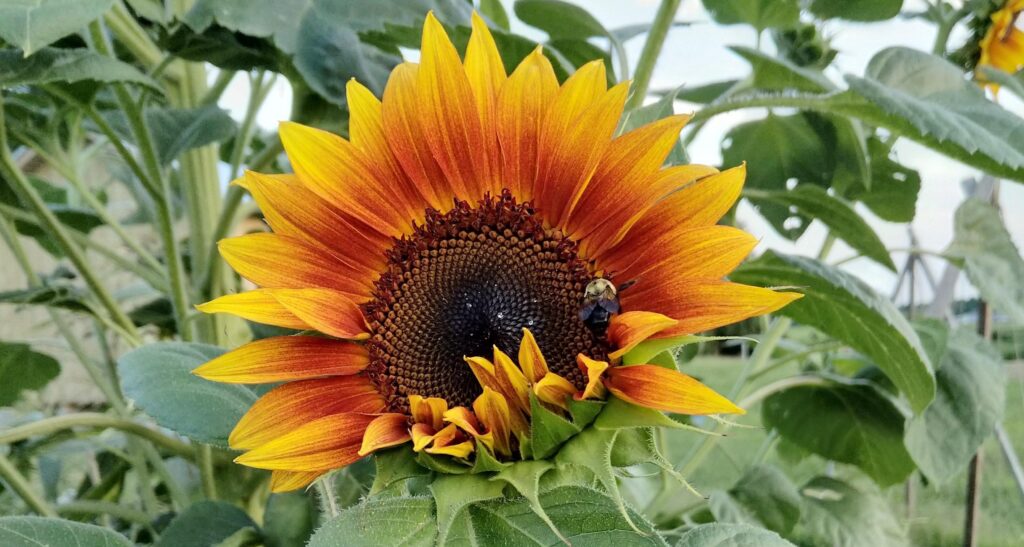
406 137
571 147
629 329
450 442
336 170
483 370
523 104
704 305
493 412
510 378
532 361
291 405
286 481
669 390
293 210
486 75
594 370
258 305
385 430
689 253
330 312
553 389
327 443
449 115
625 182
428 410
283 358
465 420
277 261
366 130
638 229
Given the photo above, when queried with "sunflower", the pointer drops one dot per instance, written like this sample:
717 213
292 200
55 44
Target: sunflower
482 243
1003 44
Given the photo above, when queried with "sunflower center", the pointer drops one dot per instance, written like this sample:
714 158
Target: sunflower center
466 281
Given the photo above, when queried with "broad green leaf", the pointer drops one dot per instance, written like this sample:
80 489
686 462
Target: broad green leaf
56 295
845 308
894 187
22 369
36 531
849 422
493 10
760 14
289 519
158 378
583 516
204 523
394 466
839 513
778 149
559 19
51 65
762 497
968 403
992 261
324 36
856 10
775 73
176 130
704 94
34 24
814 202
398 522
452 493
730 535
222 48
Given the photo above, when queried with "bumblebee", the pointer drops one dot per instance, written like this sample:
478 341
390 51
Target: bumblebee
600 301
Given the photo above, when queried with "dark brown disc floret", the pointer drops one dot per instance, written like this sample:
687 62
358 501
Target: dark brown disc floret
465 281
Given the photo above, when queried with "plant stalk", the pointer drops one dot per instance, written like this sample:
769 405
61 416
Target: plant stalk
652 49
21 486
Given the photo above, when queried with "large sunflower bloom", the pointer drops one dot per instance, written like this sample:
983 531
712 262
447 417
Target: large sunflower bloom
456 257
1003 44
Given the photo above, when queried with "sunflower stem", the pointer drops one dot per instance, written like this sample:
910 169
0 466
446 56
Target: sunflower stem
325 486
204 459
21 486
652 49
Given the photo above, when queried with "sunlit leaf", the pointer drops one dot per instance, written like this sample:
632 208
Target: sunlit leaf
22 369
204 523
35 531
856 10
51 65
760 14
762 497
730 535
840 513
33 25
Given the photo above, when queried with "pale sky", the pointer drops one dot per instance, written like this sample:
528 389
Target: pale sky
697 54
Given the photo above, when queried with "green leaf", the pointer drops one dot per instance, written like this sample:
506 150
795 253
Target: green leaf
845 308
663 108
177 130
584 517
559 19
856 10
849 422
22 369
845 223
56 295
894 187
398 522
778 149
493 10
730 535
204 523
34 24
52 65
989 256
158 378
968 403
289 519
395 466
547 430
222 48
36 531
777 74
763 497
760 14
839 513
619 414
704 94
452 493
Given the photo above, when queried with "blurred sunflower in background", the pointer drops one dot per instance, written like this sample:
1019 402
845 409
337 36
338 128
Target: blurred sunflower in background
997 38
483 247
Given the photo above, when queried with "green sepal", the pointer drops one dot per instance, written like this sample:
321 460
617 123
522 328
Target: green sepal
634 446
548 430
445 464
395 466
619 414
584 412
648 349
485 461
452 493
665 359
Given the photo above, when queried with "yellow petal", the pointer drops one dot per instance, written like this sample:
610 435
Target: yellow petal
493 412
483 370
532 361
630 328
669 390
595 370
510 378
326 443
553 389
328 311
422 435
523 105
465 420
283 358
259 306
429 410
286 481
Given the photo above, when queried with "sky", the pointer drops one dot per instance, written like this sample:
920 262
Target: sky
697 54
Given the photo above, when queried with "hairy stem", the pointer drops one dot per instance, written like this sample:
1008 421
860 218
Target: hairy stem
652 49
21 486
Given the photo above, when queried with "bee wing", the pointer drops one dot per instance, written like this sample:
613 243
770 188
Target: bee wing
587 309
610 305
